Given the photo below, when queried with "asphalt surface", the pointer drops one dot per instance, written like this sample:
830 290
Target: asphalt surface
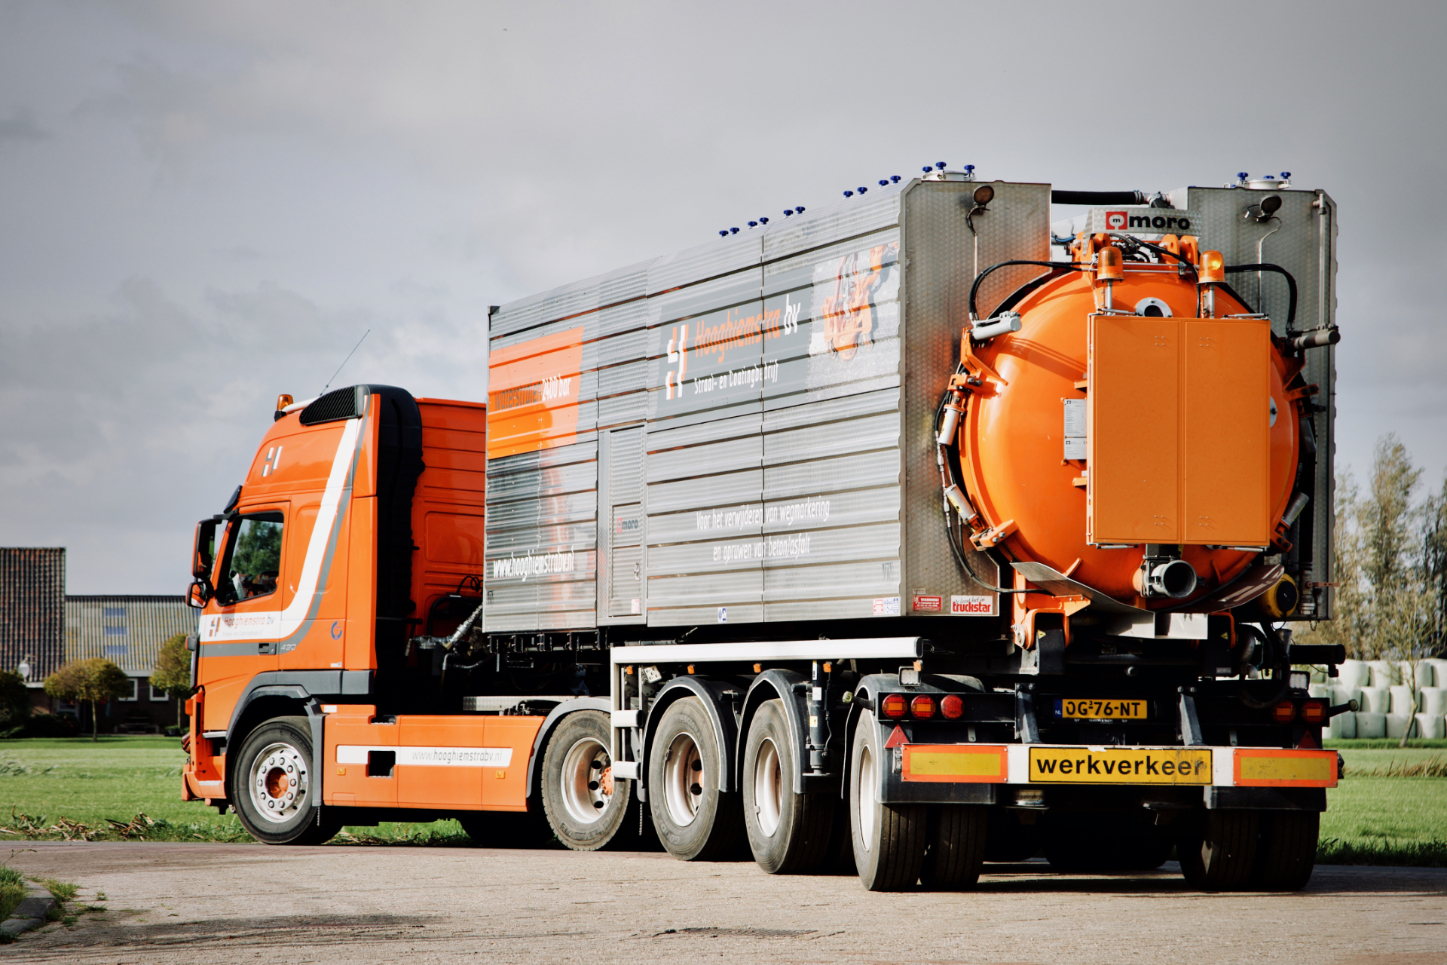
203 903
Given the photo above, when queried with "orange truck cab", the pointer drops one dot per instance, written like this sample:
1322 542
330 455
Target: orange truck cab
358 528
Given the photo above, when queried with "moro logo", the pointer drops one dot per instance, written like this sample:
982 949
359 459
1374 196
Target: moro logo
1115 221
677 352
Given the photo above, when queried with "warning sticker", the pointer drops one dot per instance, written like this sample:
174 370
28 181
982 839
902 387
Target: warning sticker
928 604
886 606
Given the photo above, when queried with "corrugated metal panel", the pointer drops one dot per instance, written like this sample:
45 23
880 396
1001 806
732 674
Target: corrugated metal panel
833 223
705 261
126 630
568 300
32 609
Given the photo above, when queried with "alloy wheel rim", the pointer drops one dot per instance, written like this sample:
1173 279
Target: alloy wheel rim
278 782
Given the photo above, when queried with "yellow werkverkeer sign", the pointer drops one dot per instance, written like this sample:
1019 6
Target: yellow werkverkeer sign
1119 765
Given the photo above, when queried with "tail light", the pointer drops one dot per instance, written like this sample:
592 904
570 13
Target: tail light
893 705
922 707
1313 712
1284 712
952 706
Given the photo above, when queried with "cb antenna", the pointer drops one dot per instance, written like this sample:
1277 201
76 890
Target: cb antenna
344 361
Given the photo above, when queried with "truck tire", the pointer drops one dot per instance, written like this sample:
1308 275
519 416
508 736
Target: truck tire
788 833
1286 850
889 839
272 785
1219 852
956 847
695 821
585 807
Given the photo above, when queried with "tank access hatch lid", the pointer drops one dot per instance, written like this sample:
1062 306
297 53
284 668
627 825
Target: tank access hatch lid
1178 421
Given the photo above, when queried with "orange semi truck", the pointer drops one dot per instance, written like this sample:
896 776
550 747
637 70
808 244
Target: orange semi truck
914 531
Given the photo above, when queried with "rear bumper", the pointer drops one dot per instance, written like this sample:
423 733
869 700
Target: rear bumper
1033 775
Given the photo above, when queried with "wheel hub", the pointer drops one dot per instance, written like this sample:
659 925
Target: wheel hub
587 781
278 782
683 780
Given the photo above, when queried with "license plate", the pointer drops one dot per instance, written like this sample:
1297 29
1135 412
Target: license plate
1119 765
1079 708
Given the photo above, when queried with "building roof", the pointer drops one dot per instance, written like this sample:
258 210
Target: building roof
32 602
127 630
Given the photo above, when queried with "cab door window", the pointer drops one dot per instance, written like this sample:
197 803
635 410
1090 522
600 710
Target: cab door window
252 567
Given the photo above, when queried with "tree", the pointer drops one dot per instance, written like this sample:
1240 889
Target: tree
172 672
14 701
1434 567
92 681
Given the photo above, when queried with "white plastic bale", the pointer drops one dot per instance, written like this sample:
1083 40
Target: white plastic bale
1343 725
1319 690
1404 701
1426 675
1434 700
1345 695
1376 700
1371 725
1397 725
1354 674
1430 726
1384 674
1439 671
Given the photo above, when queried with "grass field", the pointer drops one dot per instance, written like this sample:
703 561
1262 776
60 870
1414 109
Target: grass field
73 787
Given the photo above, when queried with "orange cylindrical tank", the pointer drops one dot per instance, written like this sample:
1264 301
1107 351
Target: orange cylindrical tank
1012 437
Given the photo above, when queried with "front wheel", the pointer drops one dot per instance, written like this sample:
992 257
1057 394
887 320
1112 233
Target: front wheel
272 785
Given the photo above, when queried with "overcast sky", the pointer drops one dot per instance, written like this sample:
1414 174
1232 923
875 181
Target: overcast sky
205 204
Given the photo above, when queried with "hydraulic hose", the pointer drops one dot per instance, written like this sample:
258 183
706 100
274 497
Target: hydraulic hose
1290 286
1280 662
1055 266
1097 197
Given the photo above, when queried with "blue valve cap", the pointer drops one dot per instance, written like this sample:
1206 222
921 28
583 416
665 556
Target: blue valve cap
849 194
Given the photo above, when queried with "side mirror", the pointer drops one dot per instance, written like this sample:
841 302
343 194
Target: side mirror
203 554
198 594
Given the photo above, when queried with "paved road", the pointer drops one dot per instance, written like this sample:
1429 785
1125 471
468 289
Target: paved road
207 903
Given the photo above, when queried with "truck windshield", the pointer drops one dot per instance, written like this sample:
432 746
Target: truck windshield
253 558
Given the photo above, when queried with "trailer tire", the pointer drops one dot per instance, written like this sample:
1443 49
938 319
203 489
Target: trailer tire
956 847
889 839
271 785
584 806
788 833
695 820
1219 853
1286 850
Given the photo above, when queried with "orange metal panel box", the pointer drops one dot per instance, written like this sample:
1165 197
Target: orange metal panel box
1179 430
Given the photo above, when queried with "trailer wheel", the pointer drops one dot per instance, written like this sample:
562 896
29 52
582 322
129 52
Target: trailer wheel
788 832
584 805
956 847
694 819
1286 850
889 839
1219 853
272 785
